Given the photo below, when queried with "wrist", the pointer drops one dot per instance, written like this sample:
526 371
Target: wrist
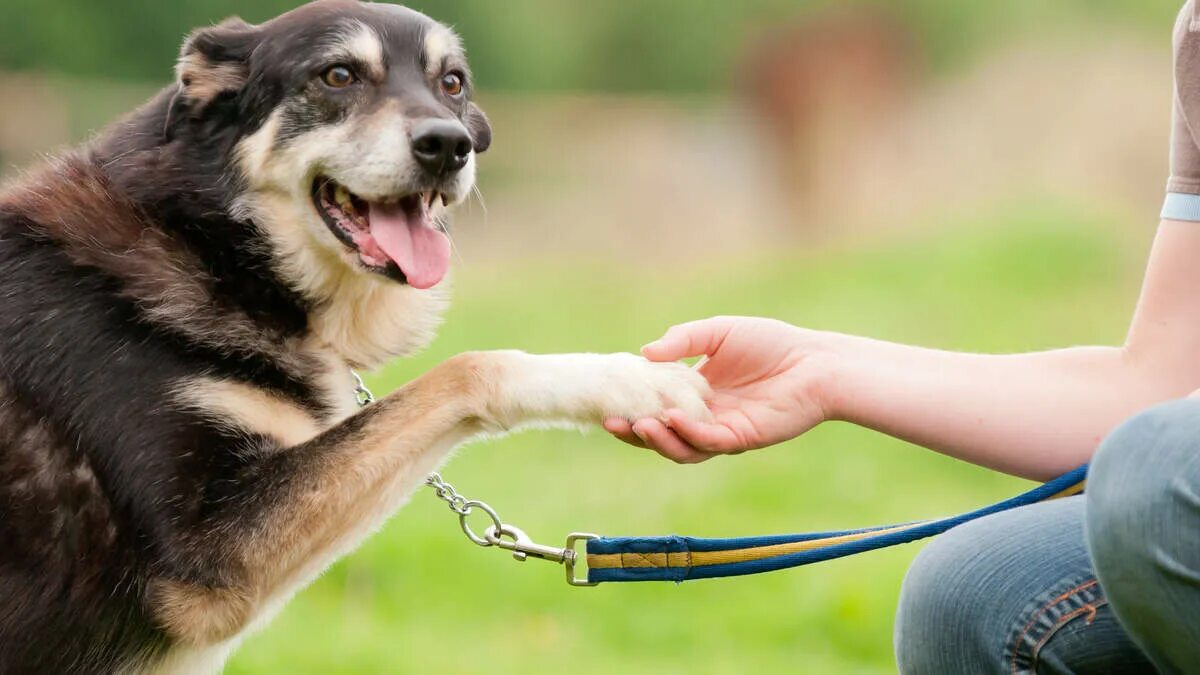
825 358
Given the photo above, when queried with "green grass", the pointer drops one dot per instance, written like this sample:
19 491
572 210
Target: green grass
419 598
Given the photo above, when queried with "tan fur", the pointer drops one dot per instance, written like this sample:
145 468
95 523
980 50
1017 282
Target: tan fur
246 408
202 80
335 379
254 153
440 44
200 616
361 43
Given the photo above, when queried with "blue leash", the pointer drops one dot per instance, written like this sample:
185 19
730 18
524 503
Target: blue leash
675 558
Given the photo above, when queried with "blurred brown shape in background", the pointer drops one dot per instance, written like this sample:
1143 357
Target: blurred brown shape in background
820 83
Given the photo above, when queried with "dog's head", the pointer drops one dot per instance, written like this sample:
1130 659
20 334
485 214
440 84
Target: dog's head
356 131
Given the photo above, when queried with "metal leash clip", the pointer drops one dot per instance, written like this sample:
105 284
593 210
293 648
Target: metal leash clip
510 537
523 547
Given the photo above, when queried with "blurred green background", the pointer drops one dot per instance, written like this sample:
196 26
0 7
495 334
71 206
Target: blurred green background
649 45
967 175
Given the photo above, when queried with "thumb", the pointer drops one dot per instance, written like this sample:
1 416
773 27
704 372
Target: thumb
695 338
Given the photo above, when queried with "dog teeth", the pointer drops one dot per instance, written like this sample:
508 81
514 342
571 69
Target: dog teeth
343 199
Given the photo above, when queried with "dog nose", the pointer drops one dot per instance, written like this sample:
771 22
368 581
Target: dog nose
441 146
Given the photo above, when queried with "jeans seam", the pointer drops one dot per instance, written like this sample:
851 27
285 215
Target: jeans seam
1088 607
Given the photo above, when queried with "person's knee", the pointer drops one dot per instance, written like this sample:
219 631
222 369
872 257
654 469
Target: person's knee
1143 512
942 609
1136 480
979 599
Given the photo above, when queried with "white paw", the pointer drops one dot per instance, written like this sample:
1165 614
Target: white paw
633 388
590 388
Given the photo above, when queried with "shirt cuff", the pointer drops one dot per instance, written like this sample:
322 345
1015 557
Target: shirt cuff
1181 206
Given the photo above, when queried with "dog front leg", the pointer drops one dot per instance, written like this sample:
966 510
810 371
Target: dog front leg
300 509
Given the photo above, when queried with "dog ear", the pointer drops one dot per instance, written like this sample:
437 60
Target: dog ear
480 128
214 61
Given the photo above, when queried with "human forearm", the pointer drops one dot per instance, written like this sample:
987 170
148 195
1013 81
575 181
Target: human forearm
1029 414
1034 415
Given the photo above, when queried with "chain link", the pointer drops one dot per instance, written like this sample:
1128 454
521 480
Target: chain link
447 493
361 393
459 504
464 508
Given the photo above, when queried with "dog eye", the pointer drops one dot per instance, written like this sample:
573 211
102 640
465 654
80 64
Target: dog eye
452 84
338 77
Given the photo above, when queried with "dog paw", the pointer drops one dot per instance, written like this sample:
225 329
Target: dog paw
633 388
584 389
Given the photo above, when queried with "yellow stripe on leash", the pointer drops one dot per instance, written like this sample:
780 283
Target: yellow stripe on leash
675 558
1069 492
702 558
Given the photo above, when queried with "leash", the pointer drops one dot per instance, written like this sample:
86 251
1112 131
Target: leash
679 559
684 558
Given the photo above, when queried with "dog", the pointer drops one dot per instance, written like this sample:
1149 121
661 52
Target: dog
182 302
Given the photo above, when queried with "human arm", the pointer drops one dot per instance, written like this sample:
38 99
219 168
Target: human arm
1034 415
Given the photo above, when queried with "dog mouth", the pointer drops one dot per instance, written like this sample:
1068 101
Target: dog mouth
397 237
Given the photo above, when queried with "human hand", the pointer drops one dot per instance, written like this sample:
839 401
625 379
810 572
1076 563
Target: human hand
767 379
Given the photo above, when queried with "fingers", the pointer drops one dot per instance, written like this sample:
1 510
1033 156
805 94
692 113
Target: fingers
662 440
680 439
654 435
704 436
623 430
695 338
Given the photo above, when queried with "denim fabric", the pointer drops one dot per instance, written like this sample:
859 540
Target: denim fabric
1143 527
1034 590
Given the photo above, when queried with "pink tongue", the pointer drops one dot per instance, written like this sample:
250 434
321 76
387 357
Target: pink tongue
418 249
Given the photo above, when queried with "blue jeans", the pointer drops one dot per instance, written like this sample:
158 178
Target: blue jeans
1107 582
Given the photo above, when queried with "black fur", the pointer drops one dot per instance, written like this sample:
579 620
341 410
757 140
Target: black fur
104 485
